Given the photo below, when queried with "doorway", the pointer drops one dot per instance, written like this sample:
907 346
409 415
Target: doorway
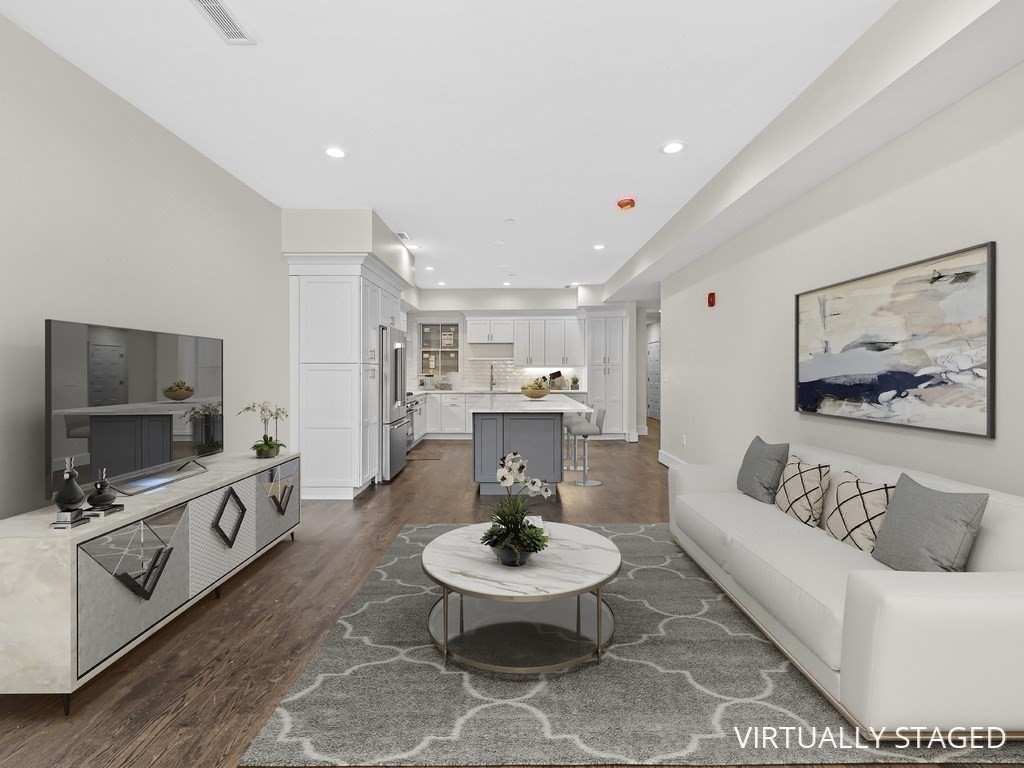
654 379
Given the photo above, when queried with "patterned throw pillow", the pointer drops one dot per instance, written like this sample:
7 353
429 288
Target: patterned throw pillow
802 490
860 511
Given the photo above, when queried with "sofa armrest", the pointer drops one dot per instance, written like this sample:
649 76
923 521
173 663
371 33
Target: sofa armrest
701 478
940 650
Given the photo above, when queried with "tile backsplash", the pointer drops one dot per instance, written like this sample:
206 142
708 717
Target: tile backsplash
476 374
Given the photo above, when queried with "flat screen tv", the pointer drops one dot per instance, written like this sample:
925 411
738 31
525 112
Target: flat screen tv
145 406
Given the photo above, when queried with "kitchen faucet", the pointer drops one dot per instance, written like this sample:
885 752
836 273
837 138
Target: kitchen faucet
491 384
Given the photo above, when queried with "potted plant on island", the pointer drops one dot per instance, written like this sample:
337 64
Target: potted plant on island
268 447
511 535
574 382
537 388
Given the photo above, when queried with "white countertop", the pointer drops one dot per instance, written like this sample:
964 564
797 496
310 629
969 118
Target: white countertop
576 560
520 403
416 392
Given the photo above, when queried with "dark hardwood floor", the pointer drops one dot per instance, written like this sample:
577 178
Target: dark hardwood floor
197 692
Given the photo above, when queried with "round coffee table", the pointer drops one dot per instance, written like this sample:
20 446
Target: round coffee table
539 617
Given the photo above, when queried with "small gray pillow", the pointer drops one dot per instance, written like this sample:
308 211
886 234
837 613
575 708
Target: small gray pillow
761 469
928 530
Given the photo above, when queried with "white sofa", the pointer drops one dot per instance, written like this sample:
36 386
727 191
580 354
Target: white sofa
889 648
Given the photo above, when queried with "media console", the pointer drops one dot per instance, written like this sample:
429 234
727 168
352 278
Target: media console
74 601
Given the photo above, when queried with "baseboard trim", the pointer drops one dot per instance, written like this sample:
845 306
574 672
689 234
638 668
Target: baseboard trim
641 429
668 459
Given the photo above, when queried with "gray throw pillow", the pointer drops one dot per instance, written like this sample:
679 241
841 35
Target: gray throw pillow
928 530
761 469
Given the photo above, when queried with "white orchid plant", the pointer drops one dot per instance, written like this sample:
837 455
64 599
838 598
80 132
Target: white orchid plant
267 414
509 526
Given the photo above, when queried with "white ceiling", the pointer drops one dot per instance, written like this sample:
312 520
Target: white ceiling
460 114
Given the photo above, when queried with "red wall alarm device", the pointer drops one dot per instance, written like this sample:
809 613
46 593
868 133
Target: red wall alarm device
711 299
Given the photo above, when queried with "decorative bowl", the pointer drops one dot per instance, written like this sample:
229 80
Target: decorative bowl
179 394
536 394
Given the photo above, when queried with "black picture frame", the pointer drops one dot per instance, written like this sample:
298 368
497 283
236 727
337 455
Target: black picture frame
989 249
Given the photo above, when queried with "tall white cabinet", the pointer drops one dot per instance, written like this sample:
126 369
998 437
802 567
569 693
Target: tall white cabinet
338 305
606 375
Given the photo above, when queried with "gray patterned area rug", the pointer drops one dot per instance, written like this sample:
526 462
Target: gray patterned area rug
685 678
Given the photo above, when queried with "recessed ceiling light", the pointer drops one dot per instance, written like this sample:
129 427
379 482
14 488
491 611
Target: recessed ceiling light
598 247
412 247
442 283
499 242
510 221
506 283
673 146
573 283
336 152
429 269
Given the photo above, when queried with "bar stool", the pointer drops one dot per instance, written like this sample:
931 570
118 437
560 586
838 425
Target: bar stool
586 430
569 419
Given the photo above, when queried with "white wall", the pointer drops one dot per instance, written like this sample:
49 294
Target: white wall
108 218
654 331
727 372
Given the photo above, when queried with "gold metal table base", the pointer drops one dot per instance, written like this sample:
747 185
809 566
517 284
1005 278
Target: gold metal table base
444 643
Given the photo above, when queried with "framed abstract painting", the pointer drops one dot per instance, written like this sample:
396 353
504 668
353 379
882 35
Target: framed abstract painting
913 346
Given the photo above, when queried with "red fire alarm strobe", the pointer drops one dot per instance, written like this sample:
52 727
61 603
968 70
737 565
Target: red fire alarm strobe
626 203
711 299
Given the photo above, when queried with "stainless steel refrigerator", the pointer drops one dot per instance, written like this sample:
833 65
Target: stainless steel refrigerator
394 417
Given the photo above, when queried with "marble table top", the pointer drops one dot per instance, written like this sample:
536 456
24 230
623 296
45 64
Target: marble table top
552 403
576 561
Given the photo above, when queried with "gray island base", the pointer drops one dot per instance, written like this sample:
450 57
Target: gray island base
517 423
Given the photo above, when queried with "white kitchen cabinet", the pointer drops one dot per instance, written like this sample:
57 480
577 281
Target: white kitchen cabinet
606 385
480 331
403 322
605 336
575 353
554 342
563 343
529 342
370 315
329 424
453 414
432 405
370 423
390 309
329 319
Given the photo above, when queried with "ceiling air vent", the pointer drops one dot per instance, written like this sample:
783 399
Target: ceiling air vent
403 236
222 20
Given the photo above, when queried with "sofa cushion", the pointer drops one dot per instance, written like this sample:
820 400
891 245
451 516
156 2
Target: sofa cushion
998 545
799 576
859 511
929 530
802 490
712 519
838 463
761 469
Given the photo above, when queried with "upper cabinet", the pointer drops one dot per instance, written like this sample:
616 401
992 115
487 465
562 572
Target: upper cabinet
529 340
563 343
390 309
371 313
329 327
479 331
604 340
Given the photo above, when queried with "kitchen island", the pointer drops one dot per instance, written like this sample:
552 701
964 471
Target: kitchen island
515 422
